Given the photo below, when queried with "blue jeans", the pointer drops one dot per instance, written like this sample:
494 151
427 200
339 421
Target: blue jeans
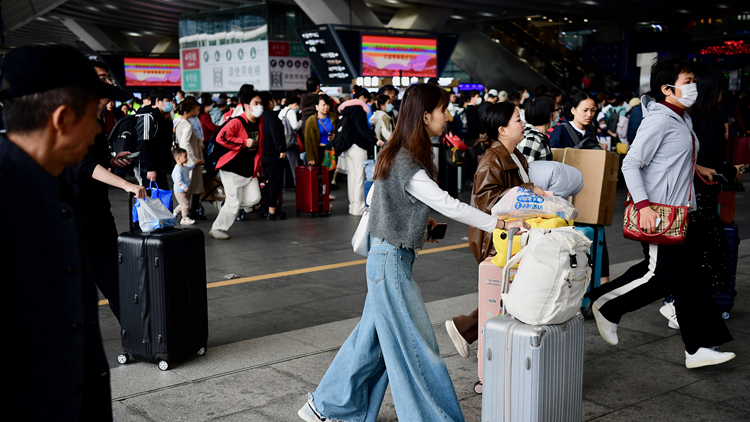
394 333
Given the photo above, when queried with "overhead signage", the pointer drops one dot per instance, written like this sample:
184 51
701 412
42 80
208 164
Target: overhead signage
225 68
289 65
151 72
327 55
384 55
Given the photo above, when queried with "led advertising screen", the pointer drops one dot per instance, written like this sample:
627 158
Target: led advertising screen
402 56
152 72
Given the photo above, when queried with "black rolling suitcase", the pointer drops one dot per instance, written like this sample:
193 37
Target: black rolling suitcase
163 300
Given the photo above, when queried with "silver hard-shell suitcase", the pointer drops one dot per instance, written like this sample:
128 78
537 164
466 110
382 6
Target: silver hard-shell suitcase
532 373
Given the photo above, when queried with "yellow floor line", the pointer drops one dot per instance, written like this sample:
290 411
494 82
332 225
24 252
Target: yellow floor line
310 269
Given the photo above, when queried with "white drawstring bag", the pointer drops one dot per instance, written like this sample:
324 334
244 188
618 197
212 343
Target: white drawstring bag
552 277
361 239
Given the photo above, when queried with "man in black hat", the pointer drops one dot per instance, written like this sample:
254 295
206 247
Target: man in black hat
50 98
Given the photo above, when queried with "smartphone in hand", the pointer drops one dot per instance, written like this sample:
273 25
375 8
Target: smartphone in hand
437 232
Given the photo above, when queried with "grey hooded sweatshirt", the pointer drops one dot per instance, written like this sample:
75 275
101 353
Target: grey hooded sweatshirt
660 164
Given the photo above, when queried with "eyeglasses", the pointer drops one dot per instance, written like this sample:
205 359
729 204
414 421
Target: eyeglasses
107 79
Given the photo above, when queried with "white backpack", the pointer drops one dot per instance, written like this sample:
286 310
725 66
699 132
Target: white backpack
552 277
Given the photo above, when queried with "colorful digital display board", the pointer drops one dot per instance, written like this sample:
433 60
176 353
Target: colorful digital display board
152 72
384 55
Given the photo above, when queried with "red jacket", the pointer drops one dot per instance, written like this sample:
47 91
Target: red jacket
234 137
208 127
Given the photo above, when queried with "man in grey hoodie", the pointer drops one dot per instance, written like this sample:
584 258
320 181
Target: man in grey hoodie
659 168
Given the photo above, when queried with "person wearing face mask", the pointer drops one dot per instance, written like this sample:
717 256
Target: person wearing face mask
576 130
274 154
381 121
242 137
540 114
156 153
659 168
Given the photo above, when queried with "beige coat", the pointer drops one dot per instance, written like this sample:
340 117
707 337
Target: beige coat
188 140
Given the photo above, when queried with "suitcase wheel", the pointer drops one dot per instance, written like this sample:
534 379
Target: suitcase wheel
202 351
298 213
327 214
123 359
240 215
588 313
200 210
313 215
478 387
725 315
163 365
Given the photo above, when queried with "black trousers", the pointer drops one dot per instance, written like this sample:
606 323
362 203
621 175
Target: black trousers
101 237
274 172
667 270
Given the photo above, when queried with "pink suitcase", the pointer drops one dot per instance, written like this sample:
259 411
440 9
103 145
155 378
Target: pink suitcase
490 288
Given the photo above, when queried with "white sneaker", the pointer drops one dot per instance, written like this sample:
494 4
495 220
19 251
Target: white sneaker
670 313
331 198
608 330
218 234
705 357
309 414
187 221
461 344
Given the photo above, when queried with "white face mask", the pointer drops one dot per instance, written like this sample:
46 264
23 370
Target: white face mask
689 94
256 110
478 100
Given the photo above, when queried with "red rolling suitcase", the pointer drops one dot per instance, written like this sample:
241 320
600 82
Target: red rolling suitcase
312 190
163 295
742 150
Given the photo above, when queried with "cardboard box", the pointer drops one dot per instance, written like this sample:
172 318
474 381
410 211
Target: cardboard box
596 201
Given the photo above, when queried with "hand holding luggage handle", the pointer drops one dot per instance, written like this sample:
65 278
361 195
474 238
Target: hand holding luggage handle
506 274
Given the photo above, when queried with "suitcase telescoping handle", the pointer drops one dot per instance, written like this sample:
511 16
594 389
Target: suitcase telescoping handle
506 274
131 195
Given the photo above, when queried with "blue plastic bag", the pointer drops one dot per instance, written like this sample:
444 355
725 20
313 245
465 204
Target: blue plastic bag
164 196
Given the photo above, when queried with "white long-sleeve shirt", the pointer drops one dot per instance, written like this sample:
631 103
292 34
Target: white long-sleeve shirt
422 187
296 124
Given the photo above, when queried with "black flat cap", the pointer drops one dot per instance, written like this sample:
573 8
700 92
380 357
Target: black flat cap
40 68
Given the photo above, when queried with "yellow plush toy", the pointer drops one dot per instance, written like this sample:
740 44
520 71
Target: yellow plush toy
500 237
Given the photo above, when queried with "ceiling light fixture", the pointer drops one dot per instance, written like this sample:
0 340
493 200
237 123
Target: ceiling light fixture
133 34
585 20
457 17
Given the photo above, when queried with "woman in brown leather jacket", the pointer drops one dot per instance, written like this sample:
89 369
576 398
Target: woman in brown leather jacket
502 168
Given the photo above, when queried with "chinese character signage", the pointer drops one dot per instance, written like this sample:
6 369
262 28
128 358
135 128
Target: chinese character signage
289 66
326 53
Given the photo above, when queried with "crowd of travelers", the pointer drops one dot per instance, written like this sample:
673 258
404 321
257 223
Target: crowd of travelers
57 144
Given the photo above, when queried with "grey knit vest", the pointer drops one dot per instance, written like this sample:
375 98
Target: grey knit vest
395 215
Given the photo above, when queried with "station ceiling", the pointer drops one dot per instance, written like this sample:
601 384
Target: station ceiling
147 23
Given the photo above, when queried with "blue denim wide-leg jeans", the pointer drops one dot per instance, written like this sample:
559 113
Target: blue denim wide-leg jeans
393 342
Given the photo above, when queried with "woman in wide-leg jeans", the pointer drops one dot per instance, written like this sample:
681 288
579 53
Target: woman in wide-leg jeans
394 342
395 331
